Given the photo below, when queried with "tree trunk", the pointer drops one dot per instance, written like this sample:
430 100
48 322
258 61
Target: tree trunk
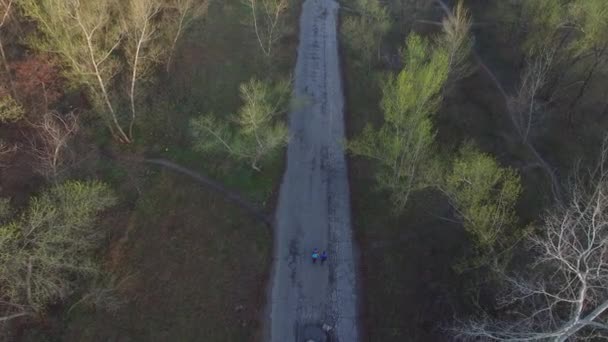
134 77
175 39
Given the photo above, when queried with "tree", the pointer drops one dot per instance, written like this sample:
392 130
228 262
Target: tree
402 147
364 30
590 21
142 55
38 82
48 147
83 33
5 8
589 17
268 29
457 40
187 11
10 110
484 195
524 104
48 248
564 295
256 134
573 33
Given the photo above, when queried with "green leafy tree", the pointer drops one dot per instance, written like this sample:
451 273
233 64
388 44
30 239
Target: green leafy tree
48 249
484 195
10 110
364 29
589 17
402 147
255 134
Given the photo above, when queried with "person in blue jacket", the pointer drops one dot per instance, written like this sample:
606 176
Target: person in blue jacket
315 255
323 257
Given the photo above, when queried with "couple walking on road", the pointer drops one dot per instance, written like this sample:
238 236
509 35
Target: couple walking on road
315 256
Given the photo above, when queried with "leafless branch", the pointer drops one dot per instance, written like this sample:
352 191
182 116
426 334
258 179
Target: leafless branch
49 144
524 104
565 293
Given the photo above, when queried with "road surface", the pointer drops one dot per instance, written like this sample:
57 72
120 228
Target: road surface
314 208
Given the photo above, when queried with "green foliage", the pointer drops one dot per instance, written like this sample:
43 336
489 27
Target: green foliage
49 246
255 134
67 28
99 42
364 31
546 22
590 16
484 194
85 36
542 18
10 110
403 146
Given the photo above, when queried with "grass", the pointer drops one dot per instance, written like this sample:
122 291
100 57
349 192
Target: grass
197 267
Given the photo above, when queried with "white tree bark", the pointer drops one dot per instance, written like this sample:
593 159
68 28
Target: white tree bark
565 294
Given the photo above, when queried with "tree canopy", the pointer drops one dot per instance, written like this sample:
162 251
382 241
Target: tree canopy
49 247
403 144
255 133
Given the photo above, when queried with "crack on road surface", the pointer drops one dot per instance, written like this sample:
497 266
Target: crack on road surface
312 301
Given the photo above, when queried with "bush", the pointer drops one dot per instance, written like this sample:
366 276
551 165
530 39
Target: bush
10 110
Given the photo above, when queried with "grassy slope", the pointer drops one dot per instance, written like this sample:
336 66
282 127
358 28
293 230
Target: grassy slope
196 266
197 269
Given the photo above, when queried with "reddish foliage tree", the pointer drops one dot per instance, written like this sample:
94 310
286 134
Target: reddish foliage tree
38 82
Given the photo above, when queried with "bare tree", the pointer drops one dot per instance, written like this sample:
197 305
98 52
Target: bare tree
187 12
49 145
524 104
565 294
268 28
141 55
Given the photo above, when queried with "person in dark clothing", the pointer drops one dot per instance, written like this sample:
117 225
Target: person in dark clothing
315 255
323 257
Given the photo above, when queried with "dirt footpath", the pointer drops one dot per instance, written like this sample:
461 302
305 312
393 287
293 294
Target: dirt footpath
314 209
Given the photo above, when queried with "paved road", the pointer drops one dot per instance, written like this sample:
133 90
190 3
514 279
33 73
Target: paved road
314 209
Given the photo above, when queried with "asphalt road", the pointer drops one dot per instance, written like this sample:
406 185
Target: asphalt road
314 208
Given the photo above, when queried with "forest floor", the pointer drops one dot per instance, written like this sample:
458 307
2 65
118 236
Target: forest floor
314 201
